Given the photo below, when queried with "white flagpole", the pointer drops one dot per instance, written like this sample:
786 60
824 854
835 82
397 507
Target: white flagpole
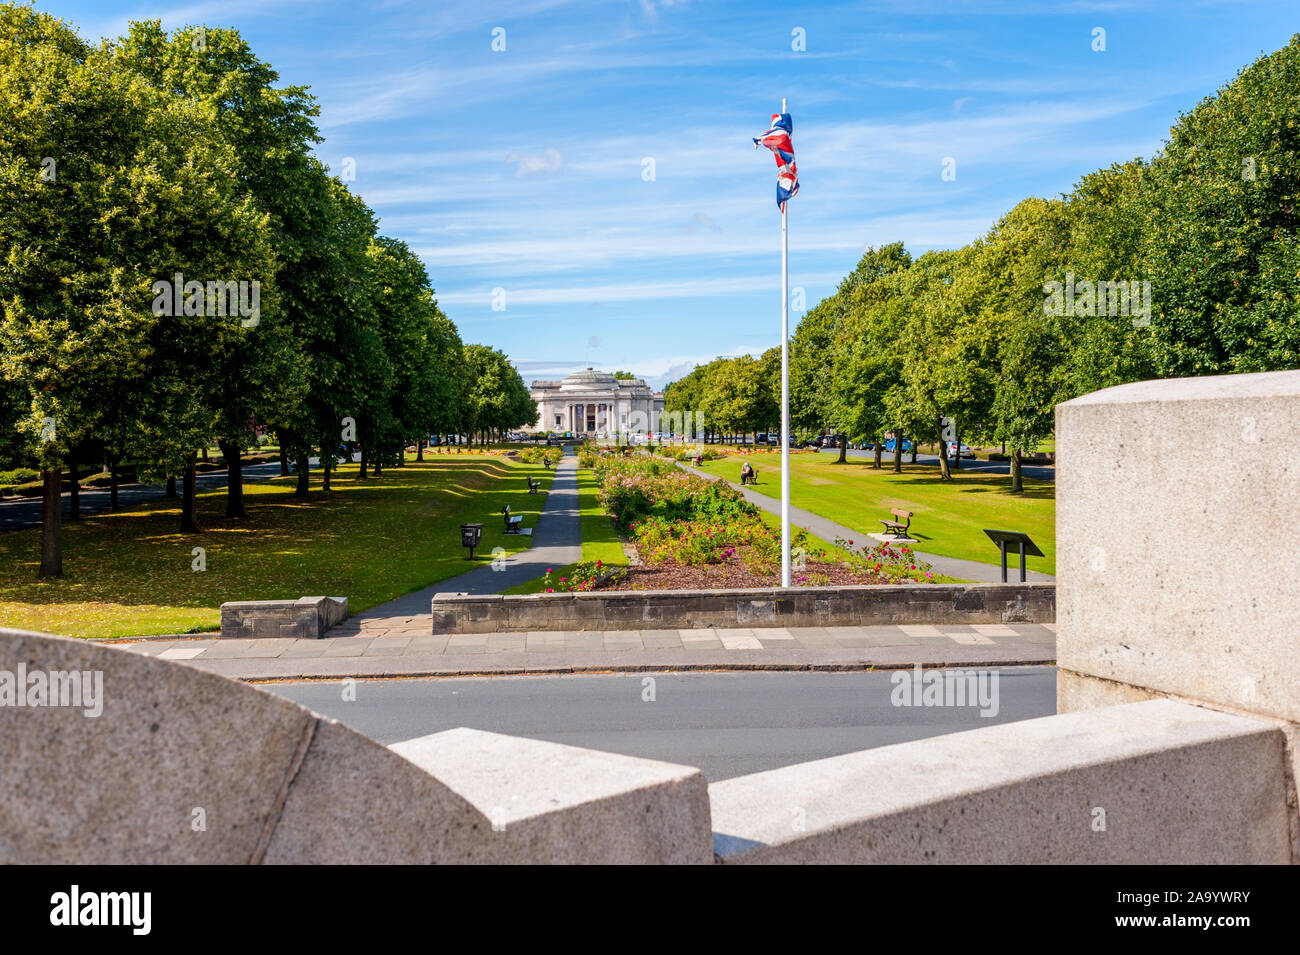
785 393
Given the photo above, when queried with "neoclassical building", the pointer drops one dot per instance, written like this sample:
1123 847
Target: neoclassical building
596 403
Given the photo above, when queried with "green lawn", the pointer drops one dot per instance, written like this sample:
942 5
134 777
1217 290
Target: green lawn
599 540
948 519
129 573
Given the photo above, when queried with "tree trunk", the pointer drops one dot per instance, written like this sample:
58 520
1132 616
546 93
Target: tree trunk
945 473
205 452
878 449
52 524
844 449
419 449
365 461
284 459
112 484
956 455
898 452
327 466
1017 483
189 524
171 486
230 450
74 489
914 445
303 491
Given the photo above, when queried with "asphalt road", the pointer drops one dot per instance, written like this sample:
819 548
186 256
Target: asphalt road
727 724
17 513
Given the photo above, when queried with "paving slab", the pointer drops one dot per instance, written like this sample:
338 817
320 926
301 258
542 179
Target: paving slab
625 650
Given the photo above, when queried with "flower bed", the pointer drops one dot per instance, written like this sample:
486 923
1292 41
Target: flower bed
695 533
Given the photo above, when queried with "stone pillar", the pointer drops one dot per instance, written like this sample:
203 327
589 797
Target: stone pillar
1178 547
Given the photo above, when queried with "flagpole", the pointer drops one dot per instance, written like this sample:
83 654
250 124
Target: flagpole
785 392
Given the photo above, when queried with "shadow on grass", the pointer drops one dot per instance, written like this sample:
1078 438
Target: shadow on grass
371 540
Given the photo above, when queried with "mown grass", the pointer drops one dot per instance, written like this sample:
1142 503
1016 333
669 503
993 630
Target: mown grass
947 518
130 573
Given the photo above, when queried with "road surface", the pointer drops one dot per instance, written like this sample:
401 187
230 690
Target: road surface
727 724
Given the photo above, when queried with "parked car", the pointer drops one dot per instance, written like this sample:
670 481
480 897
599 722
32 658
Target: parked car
952 450
889 444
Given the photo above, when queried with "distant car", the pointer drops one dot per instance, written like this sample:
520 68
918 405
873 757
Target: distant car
907 444
953 451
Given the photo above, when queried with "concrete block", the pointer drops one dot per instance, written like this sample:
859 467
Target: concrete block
173 749
1178 784
1179 568
550 803
354 801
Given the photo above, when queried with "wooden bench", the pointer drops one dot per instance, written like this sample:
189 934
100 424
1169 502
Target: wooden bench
533 485
512 523
751 477
899 526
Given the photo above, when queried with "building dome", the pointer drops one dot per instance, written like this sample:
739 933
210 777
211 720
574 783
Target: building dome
587 379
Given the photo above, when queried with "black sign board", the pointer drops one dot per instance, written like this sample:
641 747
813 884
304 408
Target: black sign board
1016 539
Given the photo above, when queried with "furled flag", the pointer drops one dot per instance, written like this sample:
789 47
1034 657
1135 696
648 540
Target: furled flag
778 140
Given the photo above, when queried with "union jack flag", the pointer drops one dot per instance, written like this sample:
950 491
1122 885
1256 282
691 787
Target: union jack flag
777 139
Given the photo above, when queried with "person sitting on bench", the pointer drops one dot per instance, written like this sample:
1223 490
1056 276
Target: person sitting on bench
747 474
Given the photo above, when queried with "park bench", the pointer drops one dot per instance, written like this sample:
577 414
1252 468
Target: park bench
751 477
533 485
900 525
512 522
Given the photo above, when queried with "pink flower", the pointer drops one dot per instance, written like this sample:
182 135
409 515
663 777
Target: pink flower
549 590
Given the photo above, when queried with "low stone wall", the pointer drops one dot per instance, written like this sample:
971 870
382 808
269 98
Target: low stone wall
1156 783
306 617
166 764
762 607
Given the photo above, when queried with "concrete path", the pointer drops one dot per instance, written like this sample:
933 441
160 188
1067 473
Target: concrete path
829 531
414 650
556 542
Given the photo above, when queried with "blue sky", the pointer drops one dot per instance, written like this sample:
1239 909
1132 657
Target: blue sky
524 169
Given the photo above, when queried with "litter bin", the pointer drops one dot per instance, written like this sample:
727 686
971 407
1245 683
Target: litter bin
470 536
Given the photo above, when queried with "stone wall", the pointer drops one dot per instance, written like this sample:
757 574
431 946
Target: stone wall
764 607
304 618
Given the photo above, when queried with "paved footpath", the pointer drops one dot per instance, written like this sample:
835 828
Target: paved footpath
829 531
556 542
795 648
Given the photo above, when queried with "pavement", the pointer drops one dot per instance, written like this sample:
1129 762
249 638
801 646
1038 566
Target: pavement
414 650
829 531
727 724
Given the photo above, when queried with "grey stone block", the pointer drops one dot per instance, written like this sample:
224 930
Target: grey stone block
306 617
174 747
1179 573
1178 784
354 801
550 803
